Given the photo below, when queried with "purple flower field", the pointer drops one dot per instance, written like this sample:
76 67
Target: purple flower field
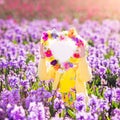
24 97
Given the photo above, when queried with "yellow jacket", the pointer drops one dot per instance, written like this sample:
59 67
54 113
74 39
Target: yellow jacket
72 78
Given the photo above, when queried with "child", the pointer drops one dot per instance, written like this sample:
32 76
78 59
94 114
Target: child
69 83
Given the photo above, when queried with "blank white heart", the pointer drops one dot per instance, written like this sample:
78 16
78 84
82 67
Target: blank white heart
62 50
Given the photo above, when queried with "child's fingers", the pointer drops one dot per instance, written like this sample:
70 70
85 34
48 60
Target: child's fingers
42 49
82 51
41 46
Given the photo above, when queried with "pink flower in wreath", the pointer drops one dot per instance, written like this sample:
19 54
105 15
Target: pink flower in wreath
48 53
66 65
62 37
76 55
80 43
45 36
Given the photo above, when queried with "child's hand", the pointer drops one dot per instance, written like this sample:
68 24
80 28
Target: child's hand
82 51
42 54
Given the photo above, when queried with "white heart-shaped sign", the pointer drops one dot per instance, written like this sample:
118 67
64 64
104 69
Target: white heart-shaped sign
62 50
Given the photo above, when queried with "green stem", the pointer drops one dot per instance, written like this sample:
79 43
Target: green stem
6 83
1 86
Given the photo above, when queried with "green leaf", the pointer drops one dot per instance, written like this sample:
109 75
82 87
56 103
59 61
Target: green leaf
108 118
87 109
50 87
71 113
109 54
108 71
35 85
51 109
25 42
63 113
14 42
97 80
90 91
30 58
91 43
114 104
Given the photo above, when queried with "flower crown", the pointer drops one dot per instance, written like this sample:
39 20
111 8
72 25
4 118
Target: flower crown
54 35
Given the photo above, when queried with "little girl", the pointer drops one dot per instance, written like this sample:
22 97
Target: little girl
72 81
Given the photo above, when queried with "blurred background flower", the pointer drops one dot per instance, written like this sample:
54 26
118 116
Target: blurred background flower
63 9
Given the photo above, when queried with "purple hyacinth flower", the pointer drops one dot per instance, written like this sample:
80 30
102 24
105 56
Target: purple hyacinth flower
36 111
58 104
17 113
16 95
93 102
80 97
118 95
108 94
102 70
81 115
116 114
80 106
105 63
2 114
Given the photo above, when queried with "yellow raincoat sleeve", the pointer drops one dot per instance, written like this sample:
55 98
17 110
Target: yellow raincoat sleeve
83 74
43 73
